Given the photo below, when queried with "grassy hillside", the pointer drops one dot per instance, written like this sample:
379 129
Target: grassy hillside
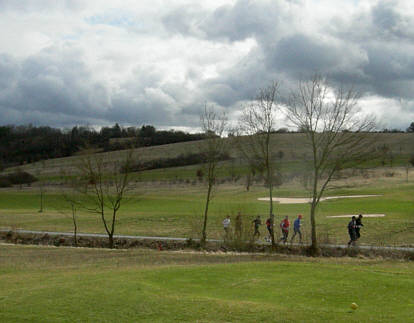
42 284
293 146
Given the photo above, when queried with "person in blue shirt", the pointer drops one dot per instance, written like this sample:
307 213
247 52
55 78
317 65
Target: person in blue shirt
296 228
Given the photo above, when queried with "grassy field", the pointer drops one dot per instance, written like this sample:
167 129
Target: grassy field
170 201
176 210
46 284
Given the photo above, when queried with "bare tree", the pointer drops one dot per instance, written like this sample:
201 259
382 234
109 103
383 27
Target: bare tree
213 126
72 198
338 136
103 186
41 186
257 124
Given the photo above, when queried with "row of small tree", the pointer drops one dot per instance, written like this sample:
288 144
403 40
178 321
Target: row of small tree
337 134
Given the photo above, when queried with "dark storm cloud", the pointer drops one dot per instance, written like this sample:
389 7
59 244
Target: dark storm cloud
240 82
385 37
243 20
56 87
236 22
370 51
299 54
149 106
9 70
53 81
390 24
371 48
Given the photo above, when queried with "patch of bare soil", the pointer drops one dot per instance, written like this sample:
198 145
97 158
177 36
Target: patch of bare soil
303 200
351 215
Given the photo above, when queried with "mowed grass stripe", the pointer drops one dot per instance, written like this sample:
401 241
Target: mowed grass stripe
124 286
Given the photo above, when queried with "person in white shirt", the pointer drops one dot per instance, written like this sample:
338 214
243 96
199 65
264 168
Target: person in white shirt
226 225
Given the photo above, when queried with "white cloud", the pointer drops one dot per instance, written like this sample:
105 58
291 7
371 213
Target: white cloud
158 62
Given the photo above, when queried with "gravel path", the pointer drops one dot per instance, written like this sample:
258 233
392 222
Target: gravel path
99 235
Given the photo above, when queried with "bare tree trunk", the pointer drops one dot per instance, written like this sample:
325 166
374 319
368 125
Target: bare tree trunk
204 231
314 241
270 183
75 226
213 126
271 216
111 240
314 250
41 200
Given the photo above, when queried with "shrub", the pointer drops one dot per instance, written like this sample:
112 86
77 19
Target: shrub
21 178
181 160
4 182
411 160
17 178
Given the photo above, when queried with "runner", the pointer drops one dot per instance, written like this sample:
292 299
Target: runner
269 226
296 228
226 226
352 231
284 225
257 222
359 225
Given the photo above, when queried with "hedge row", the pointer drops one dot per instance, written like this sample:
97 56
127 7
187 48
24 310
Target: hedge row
17 178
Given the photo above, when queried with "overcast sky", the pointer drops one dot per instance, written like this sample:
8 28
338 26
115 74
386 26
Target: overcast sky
98 62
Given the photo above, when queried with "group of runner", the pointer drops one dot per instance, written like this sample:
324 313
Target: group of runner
354 227
257 222
284 227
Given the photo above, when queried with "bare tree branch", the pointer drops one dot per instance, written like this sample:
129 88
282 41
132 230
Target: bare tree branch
256 126
339 137
214 126
108 183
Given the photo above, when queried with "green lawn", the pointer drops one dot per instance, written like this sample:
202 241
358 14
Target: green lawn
45 284
173 210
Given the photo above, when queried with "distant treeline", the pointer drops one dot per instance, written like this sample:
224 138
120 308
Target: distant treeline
25 144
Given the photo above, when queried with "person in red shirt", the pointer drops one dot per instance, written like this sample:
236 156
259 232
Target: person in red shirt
284 225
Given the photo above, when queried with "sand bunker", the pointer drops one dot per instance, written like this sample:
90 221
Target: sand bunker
351 215
303 200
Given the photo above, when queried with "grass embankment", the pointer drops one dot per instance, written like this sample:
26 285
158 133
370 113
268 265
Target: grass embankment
177 211
291 146
41 284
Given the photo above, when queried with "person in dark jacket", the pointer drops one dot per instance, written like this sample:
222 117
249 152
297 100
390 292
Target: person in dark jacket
352 231
359 225
269 226
257 223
